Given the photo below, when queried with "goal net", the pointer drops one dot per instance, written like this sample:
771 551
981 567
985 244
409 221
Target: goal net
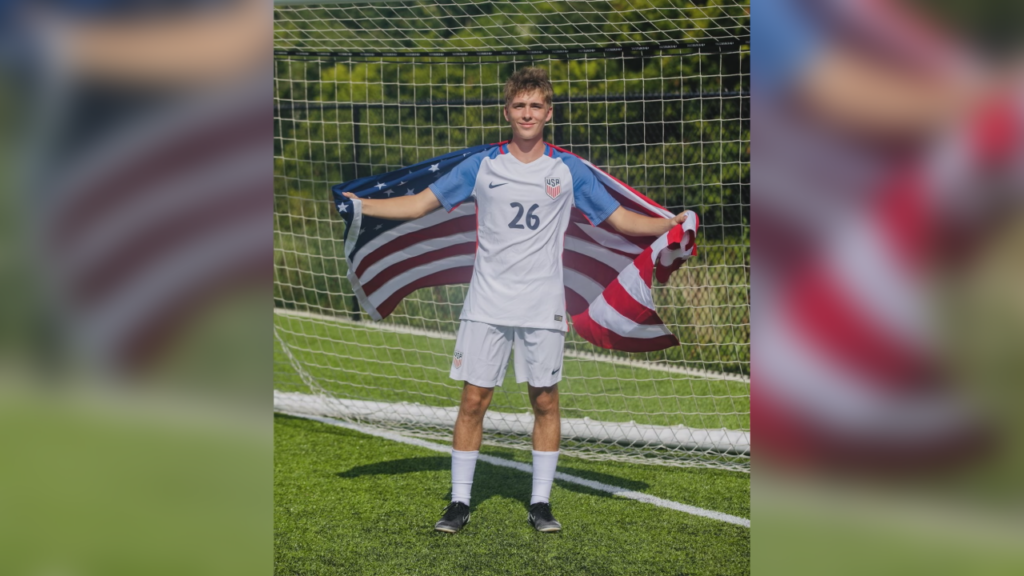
653 92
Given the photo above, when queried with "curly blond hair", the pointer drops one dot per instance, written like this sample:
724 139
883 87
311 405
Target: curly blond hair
528 80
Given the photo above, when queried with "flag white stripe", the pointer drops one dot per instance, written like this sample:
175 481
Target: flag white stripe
152 204
607 317
597 252
667 257
610 240
864 263
658 246
435 217
352 234
635 286
417 249
414 274
190 262
581 284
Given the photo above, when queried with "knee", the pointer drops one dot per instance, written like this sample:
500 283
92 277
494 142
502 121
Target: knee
545 405
473 411
474 406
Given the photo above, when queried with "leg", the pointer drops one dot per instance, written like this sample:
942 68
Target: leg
547 421
539 354
481 354
469 425
547 431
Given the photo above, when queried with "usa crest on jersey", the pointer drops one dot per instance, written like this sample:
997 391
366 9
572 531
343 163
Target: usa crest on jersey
553 187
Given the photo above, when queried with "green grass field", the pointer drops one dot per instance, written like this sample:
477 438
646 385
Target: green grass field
350 503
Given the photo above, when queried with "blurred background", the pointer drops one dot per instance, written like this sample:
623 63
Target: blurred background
888 315
135 265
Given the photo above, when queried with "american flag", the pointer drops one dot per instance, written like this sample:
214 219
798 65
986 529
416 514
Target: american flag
145 225
607 274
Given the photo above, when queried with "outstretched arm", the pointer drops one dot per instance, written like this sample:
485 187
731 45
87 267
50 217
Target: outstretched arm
400 208
633 224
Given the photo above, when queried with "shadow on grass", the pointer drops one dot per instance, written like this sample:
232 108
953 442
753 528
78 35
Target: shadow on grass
488 481
491 480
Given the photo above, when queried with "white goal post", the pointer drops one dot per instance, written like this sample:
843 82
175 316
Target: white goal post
656 95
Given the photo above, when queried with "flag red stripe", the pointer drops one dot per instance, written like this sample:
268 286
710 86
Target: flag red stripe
439 230
406 265
458 275
837 328
644 265
191 149
596 270
162 324
577 215
600 336
159 241
624 303
575 232
574 303
905 219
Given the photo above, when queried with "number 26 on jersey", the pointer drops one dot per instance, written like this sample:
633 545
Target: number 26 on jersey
532 220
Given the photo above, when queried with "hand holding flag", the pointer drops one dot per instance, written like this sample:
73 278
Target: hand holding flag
623 316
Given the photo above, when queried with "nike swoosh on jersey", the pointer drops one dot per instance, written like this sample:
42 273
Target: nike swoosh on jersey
493 185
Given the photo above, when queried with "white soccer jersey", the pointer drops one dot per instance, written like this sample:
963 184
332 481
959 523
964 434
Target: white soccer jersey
522 216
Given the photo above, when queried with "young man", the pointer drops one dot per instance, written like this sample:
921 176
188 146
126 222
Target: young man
524 191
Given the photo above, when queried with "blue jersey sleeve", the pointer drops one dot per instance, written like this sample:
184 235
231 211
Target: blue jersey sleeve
456 186
589 195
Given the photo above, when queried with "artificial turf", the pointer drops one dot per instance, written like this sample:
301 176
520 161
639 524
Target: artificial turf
350 503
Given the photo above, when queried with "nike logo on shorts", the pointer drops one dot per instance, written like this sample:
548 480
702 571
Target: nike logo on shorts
555 371
493 185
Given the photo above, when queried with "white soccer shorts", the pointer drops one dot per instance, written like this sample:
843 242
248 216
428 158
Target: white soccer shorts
482 350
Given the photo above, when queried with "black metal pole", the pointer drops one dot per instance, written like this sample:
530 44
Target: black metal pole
353 304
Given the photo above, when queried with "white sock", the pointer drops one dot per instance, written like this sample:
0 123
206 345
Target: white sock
544 464
463 465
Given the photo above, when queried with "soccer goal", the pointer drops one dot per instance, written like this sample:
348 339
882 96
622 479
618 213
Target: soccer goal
653 92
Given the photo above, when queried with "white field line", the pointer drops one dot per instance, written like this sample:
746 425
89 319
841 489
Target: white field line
599 486
569 354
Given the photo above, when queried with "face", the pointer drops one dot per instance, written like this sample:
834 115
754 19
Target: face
527 112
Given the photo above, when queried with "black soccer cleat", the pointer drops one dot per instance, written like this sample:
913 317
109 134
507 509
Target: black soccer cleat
541 518
456 515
